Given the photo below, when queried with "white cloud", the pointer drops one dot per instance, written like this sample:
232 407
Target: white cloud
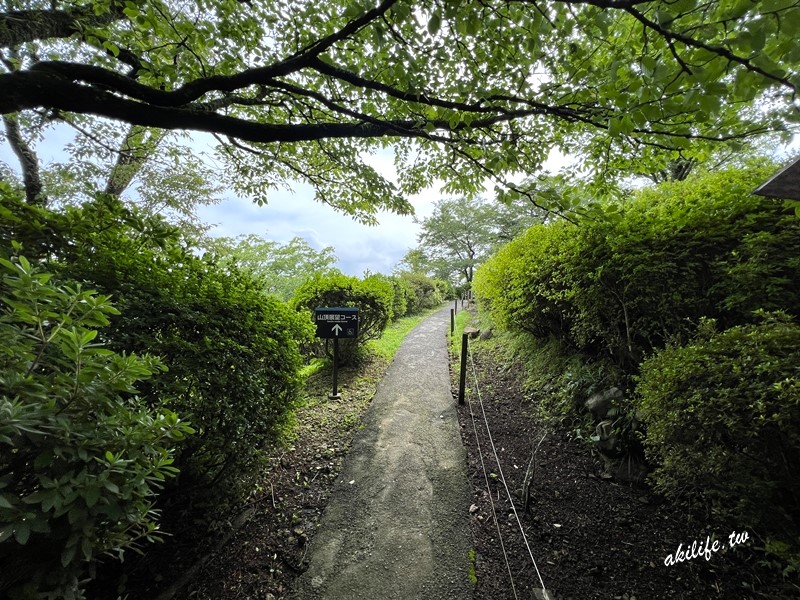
288 214
359 247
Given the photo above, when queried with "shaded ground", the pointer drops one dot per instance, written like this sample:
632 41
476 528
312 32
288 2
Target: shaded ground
590 537
263 547
270 551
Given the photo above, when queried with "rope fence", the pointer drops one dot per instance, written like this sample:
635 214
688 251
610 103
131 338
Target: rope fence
477 401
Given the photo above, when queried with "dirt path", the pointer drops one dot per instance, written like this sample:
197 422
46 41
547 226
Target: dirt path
397 526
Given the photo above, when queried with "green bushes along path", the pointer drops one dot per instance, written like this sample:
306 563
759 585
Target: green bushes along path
593 299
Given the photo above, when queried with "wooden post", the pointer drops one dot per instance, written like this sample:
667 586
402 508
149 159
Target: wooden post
455 305
463 379
452 321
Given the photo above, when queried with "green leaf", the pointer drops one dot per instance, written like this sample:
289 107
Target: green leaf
434 23
92 495
6 532
22 532
68 554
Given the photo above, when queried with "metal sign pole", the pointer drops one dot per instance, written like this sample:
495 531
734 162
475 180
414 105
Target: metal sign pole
334 323
335 394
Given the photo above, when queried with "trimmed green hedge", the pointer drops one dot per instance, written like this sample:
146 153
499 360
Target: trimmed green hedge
232 353
721 410
626 285
427 292
373 297
723 422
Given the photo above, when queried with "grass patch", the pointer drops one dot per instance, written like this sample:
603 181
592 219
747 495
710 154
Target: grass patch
357 385
395 333
464 318
472 575
316 365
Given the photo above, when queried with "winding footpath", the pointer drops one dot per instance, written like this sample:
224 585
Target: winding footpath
396 527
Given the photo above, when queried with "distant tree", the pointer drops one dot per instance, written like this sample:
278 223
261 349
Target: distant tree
144 167
416 261
281 268
462 232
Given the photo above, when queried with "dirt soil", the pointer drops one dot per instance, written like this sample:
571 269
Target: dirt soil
590 537
262 549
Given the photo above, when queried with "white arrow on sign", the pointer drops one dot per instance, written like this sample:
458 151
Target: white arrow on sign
336 329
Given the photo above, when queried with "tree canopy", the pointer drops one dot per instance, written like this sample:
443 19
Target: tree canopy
462 232
464 90
280 268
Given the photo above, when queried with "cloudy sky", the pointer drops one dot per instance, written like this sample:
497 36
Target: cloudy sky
289 214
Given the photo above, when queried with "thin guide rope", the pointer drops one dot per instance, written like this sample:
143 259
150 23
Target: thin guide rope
500 469
491 502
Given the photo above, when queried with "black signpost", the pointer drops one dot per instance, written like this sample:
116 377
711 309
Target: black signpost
336 323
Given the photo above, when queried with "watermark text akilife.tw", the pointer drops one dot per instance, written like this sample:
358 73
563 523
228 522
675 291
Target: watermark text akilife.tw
704 549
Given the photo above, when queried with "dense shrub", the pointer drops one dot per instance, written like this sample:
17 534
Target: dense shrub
608 293
372 296
231 351
81 456
723 422
531 271
427 292
402 293
626 285
404 297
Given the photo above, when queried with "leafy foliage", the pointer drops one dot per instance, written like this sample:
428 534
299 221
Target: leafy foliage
403 298
646 274
593 299
372 296
303 90
723 422
426 292
461 233
81 455
232 352
281 268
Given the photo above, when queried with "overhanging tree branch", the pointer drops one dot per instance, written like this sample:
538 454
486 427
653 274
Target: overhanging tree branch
28 161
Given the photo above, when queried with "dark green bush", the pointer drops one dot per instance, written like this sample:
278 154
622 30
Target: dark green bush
627 285
403 297
372 296
232 352
723 423
610 292
559 382
81 455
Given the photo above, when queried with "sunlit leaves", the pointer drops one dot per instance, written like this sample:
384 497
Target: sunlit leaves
461 78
